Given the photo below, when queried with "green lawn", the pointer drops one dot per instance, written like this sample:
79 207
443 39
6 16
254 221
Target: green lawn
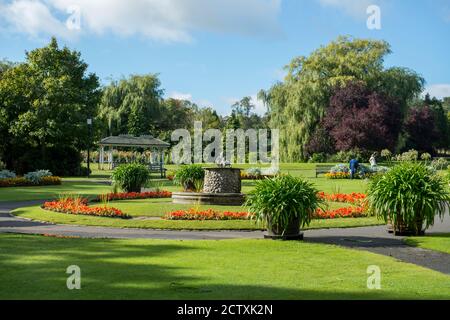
86 188
50 192
438 242
34 267
36 213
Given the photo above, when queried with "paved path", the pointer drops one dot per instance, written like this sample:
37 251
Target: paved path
373 239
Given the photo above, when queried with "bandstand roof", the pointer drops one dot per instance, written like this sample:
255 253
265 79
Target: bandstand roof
132 141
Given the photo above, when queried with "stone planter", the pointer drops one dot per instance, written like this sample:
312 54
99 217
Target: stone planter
222 186
291 232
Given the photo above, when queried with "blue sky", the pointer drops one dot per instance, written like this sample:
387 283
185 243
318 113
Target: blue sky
216 51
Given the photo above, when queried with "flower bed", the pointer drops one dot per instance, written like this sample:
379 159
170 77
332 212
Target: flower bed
194 214
353 198
358 199
348 212
337 175
132 195
23 182
80 207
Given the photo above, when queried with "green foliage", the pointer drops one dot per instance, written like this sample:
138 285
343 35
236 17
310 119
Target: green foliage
299 103
44 104
131 177
409 194
282 200
132 106
440 164
190 176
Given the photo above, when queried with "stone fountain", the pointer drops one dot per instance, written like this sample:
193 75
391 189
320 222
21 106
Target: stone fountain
222 186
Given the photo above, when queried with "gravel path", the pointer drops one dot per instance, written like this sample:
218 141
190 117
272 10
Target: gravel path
373 239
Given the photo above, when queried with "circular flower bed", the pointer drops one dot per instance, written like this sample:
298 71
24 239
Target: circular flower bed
132 195
79 207
210 214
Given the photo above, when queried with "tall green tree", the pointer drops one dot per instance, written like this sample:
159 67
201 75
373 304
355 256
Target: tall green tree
46 101
132 105
298 104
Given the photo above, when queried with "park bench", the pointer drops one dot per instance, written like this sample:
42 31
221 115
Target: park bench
154 168
157 168
322 169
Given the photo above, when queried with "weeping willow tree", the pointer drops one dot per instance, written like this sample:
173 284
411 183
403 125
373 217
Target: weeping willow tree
297 105
132 105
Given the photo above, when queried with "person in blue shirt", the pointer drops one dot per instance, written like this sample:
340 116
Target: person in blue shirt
354 164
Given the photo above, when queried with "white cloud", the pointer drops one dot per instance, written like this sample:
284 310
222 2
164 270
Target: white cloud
438 90
260 108
354 8
162 20
32 18
181 96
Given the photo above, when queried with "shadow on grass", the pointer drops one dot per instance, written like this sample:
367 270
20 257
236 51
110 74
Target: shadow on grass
35 268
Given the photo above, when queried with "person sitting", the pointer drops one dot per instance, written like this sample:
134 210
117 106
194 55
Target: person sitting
354 164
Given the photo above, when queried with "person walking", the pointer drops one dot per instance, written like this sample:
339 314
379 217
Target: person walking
354 165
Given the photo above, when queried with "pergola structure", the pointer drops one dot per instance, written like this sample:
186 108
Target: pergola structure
145 142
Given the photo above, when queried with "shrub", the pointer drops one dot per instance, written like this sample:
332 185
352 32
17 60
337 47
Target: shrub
254 172
340 168
318 158
36 176
6 174
282 200
425 156
386 154
131 177
189 175
411 155
409 195
440 164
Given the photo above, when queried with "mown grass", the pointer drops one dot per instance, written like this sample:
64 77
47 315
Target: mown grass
34 267
437 242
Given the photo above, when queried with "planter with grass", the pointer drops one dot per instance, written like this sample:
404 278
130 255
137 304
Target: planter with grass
409 197
190 177
131 177
285 204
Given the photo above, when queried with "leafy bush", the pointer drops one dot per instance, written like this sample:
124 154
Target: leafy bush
255 172
425 156
386 154
6 174
36 176
318 158
340 168
346 156
189 175
282 200
411 155
440 164
409 195
131 177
